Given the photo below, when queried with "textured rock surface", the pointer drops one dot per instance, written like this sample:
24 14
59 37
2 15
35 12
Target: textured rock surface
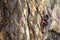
20 19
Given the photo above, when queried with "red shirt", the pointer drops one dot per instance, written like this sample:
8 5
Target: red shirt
43 20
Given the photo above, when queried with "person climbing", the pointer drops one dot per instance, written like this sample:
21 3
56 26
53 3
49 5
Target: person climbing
44 22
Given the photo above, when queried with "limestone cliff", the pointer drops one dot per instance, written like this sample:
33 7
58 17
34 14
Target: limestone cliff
20 19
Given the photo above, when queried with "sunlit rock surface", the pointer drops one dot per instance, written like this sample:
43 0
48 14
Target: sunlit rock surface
20 19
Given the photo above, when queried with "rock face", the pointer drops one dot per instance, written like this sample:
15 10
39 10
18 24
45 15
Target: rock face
20 19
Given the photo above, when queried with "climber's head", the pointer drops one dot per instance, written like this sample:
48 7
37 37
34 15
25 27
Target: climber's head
46 16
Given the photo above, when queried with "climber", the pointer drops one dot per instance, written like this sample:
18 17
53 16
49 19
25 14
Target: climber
44 22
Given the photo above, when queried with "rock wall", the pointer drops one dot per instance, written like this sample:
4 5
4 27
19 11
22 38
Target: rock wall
20 19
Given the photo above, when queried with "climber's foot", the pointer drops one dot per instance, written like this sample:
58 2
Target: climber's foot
43 30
